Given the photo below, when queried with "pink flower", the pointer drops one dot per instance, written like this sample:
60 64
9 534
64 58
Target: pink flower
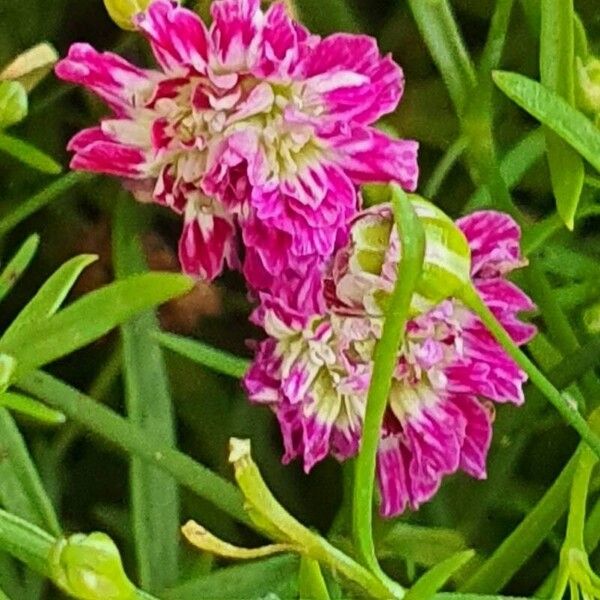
252 124
315 371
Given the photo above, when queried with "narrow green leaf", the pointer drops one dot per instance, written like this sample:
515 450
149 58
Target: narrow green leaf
31 205
18 263
134 441
32 408
557 69
554 112
459 596
50 296
310 580
21 490
278 575
425 546
25 541
91 317
518 547
514 164
438 27
3 596
13 103
437 576
207 356
154 494
29 154
496 39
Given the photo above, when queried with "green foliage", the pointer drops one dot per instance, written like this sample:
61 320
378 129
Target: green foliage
476 72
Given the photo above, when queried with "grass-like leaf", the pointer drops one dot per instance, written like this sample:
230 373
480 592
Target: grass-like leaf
18 263
50 296
212 358
554 112
90 317
557 68
154 493
29 154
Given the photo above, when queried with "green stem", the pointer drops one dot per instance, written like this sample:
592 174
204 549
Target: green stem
205 355
133 441
520 545
472 299
448 160
37 201
33 546
574 538
579 494
386 355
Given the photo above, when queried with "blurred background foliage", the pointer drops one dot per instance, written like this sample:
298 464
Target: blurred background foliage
88 482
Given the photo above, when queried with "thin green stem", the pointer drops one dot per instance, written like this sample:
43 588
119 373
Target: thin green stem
579 494
205 355
26 208
498 569
448 160
386 354
33 546
133 441
472 299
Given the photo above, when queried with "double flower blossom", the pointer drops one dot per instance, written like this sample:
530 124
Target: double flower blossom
258 133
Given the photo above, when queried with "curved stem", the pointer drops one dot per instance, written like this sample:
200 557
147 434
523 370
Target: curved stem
386 353
472 299
574 538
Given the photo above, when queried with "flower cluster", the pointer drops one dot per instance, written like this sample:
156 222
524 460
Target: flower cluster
254 130
258 134
314 371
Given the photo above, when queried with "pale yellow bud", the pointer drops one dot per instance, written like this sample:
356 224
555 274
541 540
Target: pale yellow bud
123 11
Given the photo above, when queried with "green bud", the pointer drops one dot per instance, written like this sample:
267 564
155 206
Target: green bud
89 567
31 66
588 86
123 11
13 103
8 365
375 249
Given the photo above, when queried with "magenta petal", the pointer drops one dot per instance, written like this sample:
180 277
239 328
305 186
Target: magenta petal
206 244
494 239
108 75
392 476
478 435
368 155
235 26
178 36
382 79
111 158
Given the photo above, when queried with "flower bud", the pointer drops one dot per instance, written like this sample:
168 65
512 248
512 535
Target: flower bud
31 66
588 86
13 103
89 567
364 273
123 11
8 365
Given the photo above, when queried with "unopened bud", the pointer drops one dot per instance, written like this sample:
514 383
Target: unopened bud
8 365
31 66
89 567
13 103
588 86
123 11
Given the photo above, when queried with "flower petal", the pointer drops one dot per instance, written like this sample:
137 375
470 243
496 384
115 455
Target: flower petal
177 35
368 155
494 239
120 84
363 99
207 242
